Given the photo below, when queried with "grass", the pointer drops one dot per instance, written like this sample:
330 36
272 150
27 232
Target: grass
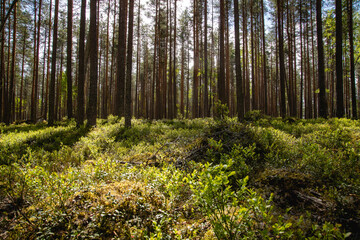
181 179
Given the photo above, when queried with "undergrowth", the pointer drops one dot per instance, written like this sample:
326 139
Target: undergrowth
265 178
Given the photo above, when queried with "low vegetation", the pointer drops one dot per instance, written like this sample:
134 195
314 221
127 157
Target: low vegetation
265 178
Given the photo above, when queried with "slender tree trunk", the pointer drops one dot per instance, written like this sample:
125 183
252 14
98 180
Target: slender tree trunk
136 112
195 107
252 40
170 88
2 63
53 67
182 78
206 94
339 62
155 80
121 60
34 103
227 57
81 74
352 60
302 66
22 77
265 97
321 63
129 66
221 77
239 84
48 67
174 68
246 83
105 97
69 60
93 43
281 59
10 113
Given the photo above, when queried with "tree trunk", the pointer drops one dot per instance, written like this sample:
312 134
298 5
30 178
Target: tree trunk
11 92
53 67
2 63
339 62
265 97
174 68
105 93
129 66
321 63
195 107
34 97
121 60
221 77
93 43
281 59
69 60
239 90
352 61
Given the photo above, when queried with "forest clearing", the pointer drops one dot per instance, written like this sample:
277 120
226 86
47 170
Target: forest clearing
181 179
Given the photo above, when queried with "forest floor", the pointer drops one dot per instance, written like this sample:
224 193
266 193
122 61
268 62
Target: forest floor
181 179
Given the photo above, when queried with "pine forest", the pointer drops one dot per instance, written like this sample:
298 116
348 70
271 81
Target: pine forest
179 119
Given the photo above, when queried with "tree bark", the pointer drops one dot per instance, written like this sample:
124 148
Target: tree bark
69 60
53 67
321 63
93 43
121 60
339 62
352 60
128 113
239 84
281 59
10 114
221 77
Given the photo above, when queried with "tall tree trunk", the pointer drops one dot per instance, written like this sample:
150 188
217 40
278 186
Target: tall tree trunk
22 77
174 62
121 60
195 106
2 63
81 74
321 63
10 113
105 97
302 66
206 94
239 84
112 85
221 77
53 67
136 113
227 57
182 78
48 67
34 103
265 97
246 83
170 88
281 59
154 106
69 60
129 66
339 62
93 43
352 61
